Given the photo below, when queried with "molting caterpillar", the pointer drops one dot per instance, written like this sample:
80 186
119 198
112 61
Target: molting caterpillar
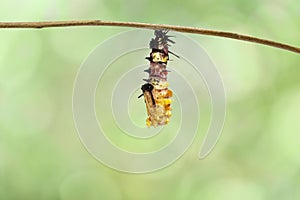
155 91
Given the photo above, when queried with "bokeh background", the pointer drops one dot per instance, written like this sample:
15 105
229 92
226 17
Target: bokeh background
257 156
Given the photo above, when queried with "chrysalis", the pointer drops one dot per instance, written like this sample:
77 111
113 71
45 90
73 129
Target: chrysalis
155 91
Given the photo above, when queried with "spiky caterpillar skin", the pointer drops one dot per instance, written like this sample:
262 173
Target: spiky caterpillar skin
156 93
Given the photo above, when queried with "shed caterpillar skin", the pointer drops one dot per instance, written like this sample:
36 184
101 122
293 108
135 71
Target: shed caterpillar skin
155 90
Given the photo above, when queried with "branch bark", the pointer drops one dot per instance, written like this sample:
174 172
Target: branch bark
184 29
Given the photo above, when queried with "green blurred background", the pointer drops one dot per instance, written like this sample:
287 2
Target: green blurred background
257 156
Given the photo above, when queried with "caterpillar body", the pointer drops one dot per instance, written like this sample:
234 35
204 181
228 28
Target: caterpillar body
155 91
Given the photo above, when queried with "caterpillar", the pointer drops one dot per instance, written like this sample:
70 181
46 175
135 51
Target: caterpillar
156 94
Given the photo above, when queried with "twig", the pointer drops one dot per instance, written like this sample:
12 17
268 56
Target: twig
48 24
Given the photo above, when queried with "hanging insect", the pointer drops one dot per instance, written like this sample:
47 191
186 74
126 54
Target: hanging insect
155 91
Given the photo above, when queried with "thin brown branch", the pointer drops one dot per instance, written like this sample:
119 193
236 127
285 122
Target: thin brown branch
48 24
